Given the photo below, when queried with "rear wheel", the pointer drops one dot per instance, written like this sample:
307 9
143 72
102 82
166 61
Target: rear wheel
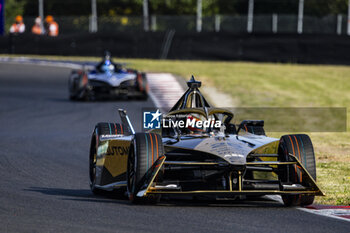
145 149
101 129
73 85
92 164
142 85
299 145
78 86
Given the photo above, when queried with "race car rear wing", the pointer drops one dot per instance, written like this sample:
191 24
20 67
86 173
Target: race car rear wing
125 120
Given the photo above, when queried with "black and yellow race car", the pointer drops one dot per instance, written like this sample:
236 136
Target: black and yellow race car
198 151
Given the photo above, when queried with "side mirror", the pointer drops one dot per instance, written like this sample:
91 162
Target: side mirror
125 120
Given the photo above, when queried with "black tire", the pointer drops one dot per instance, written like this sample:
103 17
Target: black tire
72 97
78 86
145 149
101 129
72 86
142 85
301 146
105 128
75 84
92 164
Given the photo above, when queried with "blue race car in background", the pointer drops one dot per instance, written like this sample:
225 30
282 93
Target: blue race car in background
107 80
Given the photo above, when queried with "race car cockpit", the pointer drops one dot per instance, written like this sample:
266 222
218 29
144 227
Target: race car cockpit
198 117
107 65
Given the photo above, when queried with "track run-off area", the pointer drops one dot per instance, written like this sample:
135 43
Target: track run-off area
44 140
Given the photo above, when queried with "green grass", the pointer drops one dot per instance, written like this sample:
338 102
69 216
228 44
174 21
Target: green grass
334 179
278 85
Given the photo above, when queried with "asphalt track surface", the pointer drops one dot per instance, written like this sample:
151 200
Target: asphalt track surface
44 140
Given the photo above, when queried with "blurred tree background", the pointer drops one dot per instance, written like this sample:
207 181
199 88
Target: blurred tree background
170 7
13 8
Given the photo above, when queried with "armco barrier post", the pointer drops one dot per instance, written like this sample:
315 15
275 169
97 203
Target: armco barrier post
339 23
348 18
2 17
250 16
93 19
154 23
199 16
217 23
41 14
300 16
274 23
145 16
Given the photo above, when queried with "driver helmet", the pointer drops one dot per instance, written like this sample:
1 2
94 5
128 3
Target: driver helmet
201 128
195 117
107 64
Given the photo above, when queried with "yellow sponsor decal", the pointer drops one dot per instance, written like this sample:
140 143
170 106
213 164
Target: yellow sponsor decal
113 155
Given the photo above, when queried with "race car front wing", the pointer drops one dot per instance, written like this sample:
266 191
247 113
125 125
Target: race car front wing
148 185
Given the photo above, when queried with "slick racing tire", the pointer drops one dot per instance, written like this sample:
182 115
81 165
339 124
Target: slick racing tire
145 149
101 129
299 145
142 85
73 85
78 86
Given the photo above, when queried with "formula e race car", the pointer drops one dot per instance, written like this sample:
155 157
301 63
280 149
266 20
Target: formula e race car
198 151
108 80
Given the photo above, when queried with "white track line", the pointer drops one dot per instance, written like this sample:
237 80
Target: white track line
53 63
165 90
24 60
331 213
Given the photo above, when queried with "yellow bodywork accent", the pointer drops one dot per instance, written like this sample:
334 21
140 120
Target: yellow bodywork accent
271 148
113 155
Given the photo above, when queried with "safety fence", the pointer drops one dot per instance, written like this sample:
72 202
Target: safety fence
274 23
290 48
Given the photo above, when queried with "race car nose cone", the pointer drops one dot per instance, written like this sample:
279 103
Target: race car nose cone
192 83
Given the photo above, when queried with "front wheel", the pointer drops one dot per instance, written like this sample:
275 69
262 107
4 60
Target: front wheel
145 149
92 164
142 85
102 128
300 146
